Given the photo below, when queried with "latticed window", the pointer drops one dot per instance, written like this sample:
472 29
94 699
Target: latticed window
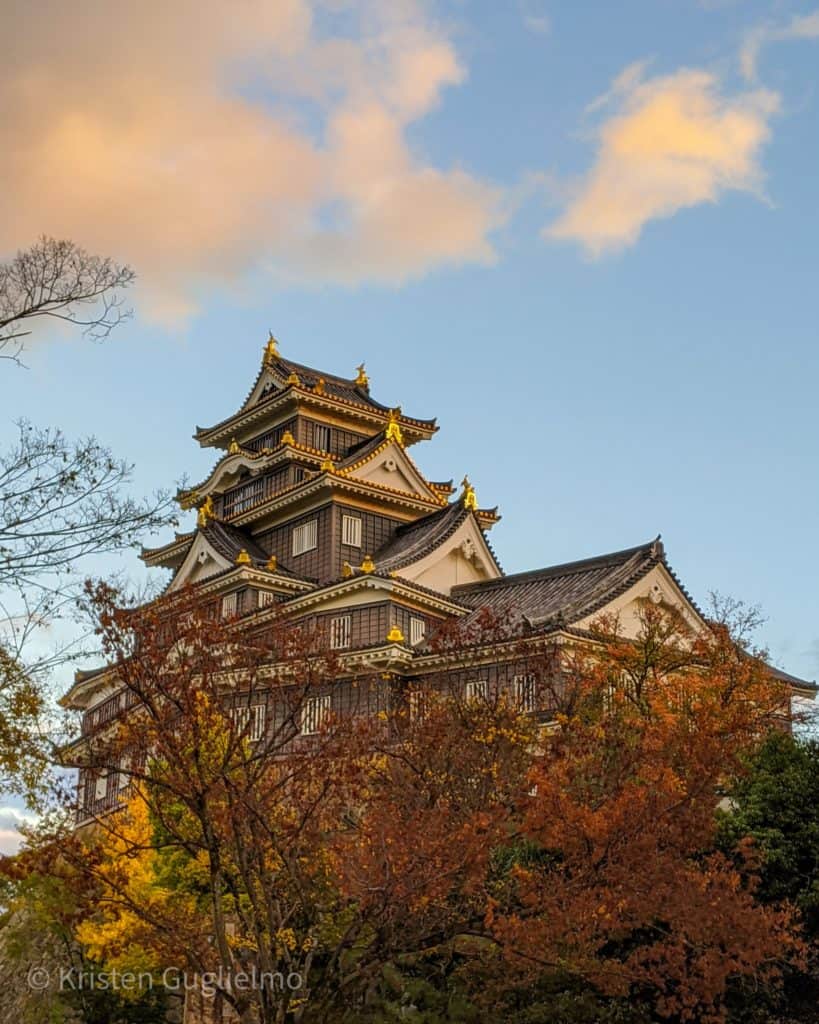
340 632
321 437
230 605
525 692
249 721
243 498
305 537
417 704
418 630
351 531
477 689
266 598
314 713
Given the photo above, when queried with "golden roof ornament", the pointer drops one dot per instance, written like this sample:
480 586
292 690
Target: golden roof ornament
243 558
395 636
234 448
368 565
362 380
318 387
327 466
206 512
346 570
468 495
293 379
272 564
393 432
271 349
287 438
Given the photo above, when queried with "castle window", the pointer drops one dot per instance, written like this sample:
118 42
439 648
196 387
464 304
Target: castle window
321 438
417 705
477 689
351 531
340 632
418 629
305 537
249 722
266 598
525 692
314 714
101 785
230 605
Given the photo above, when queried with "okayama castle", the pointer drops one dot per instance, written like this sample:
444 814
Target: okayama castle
315 505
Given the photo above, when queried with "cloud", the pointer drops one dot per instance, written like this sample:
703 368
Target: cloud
667 143
535 19
804 26
10 820
201 142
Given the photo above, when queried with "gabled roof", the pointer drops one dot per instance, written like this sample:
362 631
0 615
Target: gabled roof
337 387
420 538
271 383
566 592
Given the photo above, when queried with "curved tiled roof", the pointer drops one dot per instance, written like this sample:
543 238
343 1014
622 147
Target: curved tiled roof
415 540
566 592
230 540
343 388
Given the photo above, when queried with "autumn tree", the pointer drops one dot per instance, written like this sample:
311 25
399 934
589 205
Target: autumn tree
431 839
613 882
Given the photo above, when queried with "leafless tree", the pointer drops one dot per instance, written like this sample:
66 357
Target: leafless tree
58 279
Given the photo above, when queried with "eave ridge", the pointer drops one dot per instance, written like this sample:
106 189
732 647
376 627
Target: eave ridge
282 368
425 535
652 548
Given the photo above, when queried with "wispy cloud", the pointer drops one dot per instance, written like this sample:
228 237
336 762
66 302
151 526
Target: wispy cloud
804 26
201 142
664 143
535 18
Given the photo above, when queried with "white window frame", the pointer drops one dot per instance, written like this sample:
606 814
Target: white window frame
418 630
305 537
525 692
230 605
266 598
351 531
249 720
314 713
326 434
340 632
101 785
477 689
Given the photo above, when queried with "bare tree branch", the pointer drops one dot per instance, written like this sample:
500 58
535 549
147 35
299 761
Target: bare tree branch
58 279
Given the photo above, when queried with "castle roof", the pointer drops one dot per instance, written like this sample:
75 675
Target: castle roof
568 592
416 540
275 380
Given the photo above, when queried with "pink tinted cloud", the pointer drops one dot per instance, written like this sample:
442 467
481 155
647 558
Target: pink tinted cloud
201 141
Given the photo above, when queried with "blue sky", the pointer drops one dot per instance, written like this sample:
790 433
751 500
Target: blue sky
610 306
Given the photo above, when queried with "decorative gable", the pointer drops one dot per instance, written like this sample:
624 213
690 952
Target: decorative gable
388 465
464 557
201 562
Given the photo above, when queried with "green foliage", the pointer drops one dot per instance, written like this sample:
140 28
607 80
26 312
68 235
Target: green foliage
777 803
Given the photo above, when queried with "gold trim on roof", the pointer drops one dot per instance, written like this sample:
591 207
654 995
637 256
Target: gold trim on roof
243 558
362 380
271 350
468 495
206 512
395 636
